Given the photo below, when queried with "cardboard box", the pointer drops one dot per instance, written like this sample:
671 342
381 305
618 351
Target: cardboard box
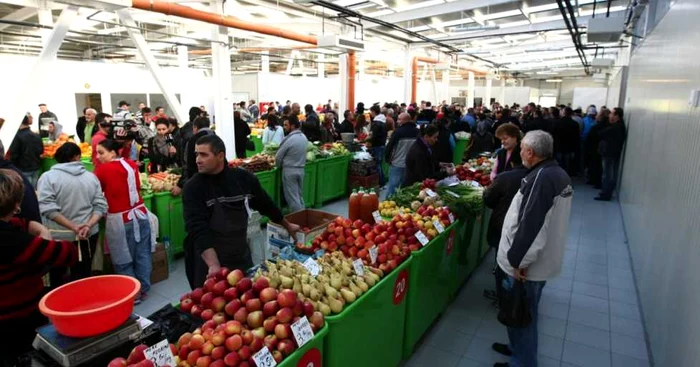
159 260
315 220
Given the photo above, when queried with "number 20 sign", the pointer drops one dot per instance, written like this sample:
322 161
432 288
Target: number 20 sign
400 287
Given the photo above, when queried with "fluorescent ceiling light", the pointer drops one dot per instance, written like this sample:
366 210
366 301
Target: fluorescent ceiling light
553 80
419 28
380 13
453 23
473 28
420 4
503 14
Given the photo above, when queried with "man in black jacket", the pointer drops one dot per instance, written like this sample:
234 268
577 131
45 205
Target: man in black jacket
25 151
378 138
312 126
346 126
566 135
45 114
612 139
396 150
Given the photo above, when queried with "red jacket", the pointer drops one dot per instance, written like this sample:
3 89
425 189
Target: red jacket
24 259
113 179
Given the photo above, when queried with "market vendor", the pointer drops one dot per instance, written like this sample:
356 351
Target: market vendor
421 162
217 202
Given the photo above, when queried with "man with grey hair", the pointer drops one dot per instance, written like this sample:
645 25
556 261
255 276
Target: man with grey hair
86 126
533 239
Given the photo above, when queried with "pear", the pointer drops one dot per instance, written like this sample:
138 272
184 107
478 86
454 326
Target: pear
348 295
369 280
336 305
287 283
314 294
297 286
336 282
323 278
306 289
377 271
275 281
355 289
331 292
361 284
324 308
286 271
305 278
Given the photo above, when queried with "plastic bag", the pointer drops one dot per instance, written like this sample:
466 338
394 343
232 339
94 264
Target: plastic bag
259 249
512 302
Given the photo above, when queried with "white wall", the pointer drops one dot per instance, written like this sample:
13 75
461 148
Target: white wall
565 90
520 95
588 96
70 77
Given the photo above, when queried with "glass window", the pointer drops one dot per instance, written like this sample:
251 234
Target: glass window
88 100
158 100
132 99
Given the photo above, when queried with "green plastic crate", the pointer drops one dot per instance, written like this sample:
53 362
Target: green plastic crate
373 325
148 202
46 164
458 153
87 162
311 354
462 272
332 178
269 180
161 208
428 292
310 175
177 225
484 244
474 250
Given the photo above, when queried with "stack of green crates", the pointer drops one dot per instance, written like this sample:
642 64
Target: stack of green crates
269 180
332 178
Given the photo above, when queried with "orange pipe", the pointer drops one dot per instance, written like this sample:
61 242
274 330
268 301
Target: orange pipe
182 11
414 74
254 49
351 80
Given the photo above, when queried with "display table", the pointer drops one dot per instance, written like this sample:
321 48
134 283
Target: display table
484 243
373 325
462 247
332 177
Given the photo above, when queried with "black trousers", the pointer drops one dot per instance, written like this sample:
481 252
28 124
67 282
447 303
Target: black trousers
17 336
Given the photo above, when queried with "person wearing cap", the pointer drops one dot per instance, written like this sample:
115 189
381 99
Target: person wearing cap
45 114
123 111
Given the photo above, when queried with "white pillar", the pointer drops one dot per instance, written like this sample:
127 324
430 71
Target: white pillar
343 77
502 98
446 83
487 94
223 82
152 64
435 87
470 90
39 75
407 74
182 51
321 66
265 62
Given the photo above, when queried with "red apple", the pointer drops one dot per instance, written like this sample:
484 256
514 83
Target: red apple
184 339
270 341
230 294
244 353
241 315
247 295
357 224
269 324
244 363
283 331
259 332
308 308
298 308
277 355
285 315
347 233
193 357
207 314
233 327
209 284
366 228
317 320
247 336
234 343
260 284
219 288
347 223
219 338
117 362
207 299
256 344
232 307
218 304
222 274
219 318
184 351
196 342
207 348
186 305
254 304
268 294
287 298
234 276
255 319
217 363
244 284
286 347
232 359
209 325
204 361
196 311
270 308
196 295
218 353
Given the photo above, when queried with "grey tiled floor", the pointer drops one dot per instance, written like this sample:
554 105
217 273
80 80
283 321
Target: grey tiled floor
589 315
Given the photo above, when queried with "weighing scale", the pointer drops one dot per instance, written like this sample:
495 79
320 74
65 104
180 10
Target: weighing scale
71 352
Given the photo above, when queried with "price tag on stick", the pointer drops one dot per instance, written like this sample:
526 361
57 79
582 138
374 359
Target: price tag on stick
312 266
440 228
452 218
430 193
420 236
377 216
359 267
302 331
263 358
160 354
373 254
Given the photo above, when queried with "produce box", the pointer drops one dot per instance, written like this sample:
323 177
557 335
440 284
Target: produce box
159 260
362 168
315 220
331 182
373 325
161 208
87 162
474 249
484 245
171 220
367 182
458 153
311 354
428 278
148 202
269 180
310 175
46 164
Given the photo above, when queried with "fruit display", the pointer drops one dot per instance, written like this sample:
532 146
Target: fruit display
463 200
389 209
50 147
480 174
137 358
241 316
335 286
257 163
334 150
162 181
428 183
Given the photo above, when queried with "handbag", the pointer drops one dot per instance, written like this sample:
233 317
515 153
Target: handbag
512 303
249 145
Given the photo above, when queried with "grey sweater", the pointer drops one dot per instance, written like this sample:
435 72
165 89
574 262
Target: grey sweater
292 151
69 189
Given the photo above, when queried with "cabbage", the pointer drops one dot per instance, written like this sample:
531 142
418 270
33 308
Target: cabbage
310 156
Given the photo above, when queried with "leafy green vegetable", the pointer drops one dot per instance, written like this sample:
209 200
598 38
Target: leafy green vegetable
406 195
462 200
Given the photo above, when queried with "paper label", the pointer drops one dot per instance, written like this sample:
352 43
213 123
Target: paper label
475 184
452 218
302 331
359 267
472 169
373 252
312 266
160 354
438 225
452 193
430 193
422 238
377 216
144 322
263 358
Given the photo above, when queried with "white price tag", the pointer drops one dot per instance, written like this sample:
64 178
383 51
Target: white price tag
430 193
160 354
422 238
144 322
359 267
475 184
452 193
472 169
263 358
452 218
312 266
302 331
373 254
440 228
377 216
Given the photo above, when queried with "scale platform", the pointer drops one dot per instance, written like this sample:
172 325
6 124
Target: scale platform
71 352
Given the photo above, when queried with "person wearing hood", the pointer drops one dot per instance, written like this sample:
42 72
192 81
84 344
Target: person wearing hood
71 204
29 208
55 130
378 138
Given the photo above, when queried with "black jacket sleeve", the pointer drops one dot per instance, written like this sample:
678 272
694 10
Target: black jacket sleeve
494 193
389 150
197 217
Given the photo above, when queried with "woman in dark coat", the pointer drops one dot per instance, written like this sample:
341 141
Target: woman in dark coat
446 142
421 162
509 156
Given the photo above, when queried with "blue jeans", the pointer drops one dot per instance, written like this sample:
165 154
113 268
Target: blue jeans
378 153
523 341
395 179
32 177
610 166
140 265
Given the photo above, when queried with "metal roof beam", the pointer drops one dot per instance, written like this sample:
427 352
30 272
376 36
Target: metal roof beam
18 16
436 10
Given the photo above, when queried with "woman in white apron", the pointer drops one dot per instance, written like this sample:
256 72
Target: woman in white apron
128 230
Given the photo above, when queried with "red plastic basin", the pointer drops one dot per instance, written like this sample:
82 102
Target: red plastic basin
90 306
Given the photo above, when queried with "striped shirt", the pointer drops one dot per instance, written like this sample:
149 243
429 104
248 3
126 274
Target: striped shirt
24 259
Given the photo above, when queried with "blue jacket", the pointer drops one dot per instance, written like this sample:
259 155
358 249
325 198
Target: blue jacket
588 123
471 120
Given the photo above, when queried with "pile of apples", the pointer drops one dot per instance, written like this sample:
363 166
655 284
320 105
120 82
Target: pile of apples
241 317
137 358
